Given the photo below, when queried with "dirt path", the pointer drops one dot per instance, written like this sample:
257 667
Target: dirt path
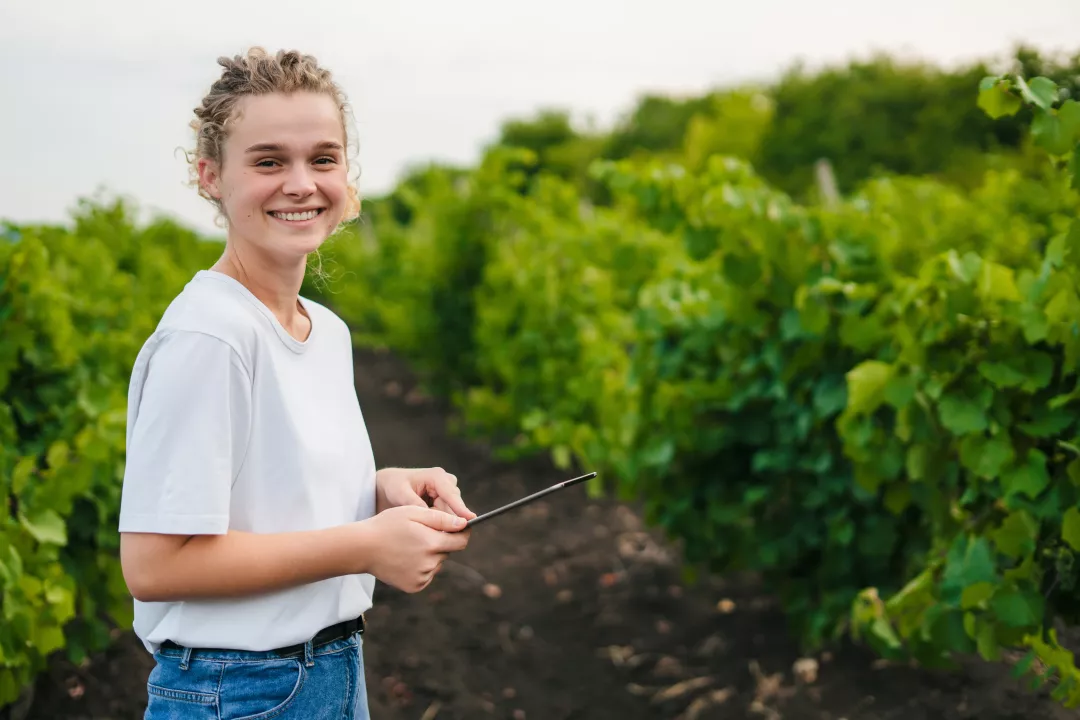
570 610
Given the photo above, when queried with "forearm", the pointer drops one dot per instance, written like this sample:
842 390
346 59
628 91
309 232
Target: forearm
168 568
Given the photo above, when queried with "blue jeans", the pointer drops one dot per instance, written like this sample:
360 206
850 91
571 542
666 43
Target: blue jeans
318 683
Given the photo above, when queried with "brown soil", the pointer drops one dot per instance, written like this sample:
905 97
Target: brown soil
571 609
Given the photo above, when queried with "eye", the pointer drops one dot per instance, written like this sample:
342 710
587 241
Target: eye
327 159
263 163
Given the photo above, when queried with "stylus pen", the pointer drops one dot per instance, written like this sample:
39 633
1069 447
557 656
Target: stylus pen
530 498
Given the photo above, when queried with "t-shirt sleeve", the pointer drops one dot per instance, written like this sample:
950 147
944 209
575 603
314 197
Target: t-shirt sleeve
189 410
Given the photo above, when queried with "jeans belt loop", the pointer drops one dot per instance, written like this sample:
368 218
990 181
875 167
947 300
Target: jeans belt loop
185 659
309 660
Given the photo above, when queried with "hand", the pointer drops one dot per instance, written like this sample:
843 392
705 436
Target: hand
406 545
427 487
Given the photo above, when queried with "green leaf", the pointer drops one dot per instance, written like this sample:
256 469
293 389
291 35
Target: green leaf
962 415
948 633
1024 664
1074 173
10 687
9 567
46 527
62 600
1038 369
1000 375
997 101
1072 236
866 384
882 631
1030 477
1069 117
1050 133
975 594
659 453
1017 608
900 390
1061 310
897 498
1031 370
1070 528
57 455
830 396
842 531
986 642
1040 91
560 455
24 470
1073 471
1055 254
48 639
1035 324
998 282
755 494
969 561
986 456
742 270
966 268
1015 536
814 317
1048 423
916 462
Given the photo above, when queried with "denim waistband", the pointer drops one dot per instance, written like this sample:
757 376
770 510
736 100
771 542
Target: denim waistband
328 640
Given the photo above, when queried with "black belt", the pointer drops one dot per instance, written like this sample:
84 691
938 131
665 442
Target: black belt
340 631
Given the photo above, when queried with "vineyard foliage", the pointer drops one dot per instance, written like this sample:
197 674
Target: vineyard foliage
870 117
76 303
872 402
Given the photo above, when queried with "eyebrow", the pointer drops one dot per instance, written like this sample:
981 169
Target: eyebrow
274 147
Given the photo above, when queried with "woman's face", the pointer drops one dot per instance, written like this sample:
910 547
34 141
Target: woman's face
283 180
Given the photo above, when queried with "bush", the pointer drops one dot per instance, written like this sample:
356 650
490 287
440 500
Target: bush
968 414
867 402
75 306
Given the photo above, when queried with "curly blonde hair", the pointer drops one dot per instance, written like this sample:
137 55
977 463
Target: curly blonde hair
257 72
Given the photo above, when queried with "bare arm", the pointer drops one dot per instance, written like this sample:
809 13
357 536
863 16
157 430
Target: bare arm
403 547
172 567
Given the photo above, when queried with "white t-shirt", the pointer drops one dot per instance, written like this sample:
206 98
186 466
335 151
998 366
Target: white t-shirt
233 423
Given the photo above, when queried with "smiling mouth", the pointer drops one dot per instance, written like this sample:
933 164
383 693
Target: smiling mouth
296 216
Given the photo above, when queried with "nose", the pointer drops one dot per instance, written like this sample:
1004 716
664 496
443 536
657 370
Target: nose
299 181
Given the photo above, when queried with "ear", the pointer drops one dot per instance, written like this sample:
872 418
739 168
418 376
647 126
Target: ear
209 177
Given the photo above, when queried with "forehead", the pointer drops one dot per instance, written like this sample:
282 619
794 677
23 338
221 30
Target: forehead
299 118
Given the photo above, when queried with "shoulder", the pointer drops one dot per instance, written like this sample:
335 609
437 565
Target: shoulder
211 311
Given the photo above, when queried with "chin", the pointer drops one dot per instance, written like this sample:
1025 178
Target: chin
299 243
300 247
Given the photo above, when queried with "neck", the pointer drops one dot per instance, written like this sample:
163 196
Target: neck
276 286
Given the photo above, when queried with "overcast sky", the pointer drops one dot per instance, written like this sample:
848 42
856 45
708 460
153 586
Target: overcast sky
98 94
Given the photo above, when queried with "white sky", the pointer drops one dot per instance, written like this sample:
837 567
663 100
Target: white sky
98 93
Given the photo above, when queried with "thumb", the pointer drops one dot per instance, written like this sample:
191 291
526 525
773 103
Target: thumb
439 520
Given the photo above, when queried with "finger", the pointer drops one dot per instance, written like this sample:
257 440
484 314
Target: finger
439 520
451 495
442 505
411 499
455 542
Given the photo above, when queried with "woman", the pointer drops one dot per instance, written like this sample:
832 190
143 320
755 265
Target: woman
253 522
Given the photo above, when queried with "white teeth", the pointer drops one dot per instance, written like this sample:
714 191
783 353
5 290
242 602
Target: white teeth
296 216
